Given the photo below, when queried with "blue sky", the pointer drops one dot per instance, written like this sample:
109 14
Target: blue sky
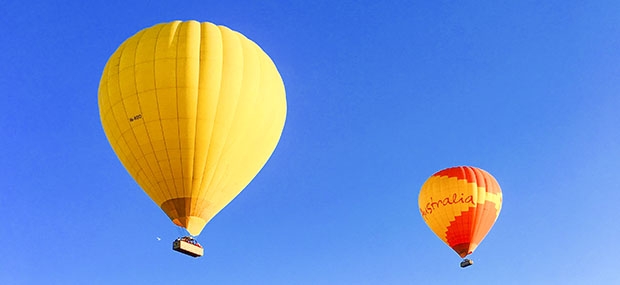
380 96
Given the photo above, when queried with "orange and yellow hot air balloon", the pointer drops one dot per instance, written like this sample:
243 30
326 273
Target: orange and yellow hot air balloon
193 111
460 205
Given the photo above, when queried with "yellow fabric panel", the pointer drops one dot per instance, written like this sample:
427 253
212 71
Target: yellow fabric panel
209 82
193 111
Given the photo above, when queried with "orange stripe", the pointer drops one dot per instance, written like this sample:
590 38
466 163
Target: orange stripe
472 175
459 235
459 172
484 225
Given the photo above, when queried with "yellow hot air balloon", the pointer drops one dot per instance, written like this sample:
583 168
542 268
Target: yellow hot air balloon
460 205
193 111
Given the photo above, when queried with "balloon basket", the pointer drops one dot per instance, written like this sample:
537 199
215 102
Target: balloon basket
466 262
188 246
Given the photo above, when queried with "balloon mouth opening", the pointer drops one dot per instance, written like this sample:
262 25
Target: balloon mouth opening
192 224
464 249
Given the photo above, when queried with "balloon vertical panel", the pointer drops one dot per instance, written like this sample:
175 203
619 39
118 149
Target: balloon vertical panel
193 111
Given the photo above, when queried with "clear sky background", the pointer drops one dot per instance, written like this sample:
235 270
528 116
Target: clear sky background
381 94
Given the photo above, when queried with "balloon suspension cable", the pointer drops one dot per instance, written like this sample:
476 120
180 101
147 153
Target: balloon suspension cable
181 231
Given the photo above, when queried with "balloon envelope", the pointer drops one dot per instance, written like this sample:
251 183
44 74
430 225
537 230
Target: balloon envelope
460 205
193 111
